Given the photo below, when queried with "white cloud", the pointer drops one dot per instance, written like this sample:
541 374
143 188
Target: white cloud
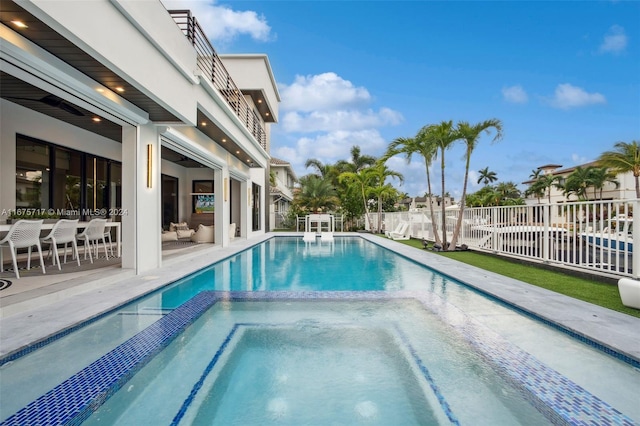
322 92
567 96
615 41
515 94
222 23
327 121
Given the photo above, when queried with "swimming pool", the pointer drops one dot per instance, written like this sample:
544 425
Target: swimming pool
504 362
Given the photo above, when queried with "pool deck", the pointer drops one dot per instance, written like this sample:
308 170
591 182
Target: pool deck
40 311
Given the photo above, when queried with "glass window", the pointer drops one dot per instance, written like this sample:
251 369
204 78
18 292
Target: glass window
256 207
33 160
115 190
78 181
67 179
169 200
96 187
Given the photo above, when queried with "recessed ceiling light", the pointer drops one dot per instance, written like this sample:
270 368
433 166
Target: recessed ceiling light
224 140
259 101
96 119
19 24
120 89
248 160
237 152
266 113
203 124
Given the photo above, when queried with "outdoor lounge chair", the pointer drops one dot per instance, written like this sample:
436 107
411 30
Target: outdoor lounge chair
398 229
402 233
309 237
23 234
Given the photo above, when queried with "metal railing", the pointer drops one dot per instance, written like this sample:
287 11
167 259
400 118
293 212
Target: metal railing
211 66
597 236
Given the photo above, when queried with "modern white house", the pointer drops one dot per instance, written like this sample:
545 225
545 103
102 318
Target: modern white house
123 109
282 192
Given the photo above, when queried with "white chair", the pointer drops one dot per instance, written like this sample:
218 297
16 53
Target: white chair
107 237
93 233
63 232
232 231
309 237
388 233
23 234
402 233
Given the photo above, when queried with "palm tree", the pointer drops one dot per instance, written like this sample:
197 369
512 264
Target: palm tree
535 174
362 181
577 183
442 136
323 170
379 174
536 189
470 135
625 157
316 194
424 147
357 163
486 176
547 182
599 177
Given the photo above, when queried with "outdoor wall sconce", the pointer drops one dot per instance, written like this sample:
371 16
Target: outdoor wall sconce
149 165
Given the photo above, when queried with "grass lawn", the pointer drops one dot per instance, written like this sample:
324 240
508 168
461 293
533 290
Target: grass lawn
591 291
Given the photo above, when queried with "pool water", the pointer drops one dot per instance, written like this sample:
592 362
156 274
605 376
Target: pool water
299 362
277 333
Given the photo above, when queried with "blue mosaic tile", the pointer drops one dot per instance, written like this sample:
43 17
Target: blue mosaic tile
73 400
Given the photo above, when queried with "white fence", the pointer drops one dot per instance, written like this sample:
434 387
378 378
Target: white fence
597 235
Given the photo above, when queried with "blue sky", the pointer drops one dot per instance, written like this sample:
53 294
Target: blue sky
563 77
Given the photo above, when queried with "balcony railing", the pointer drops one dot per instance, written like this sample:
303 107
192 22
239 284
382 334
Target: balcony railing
212 68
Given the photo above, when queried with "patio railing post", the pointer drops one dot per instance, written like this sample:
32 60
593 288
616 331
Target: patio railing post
546 240
635 253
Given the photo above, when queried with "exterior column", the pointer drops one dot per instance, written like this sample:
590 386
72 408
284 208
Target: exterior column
141 198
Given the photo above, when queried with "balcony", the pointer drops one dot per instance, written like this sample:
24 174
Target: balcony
211 66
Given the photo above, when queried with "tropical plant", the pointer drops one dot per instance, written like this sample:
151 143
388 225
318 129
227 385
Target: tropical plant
535 174
543 186
470 135
624 158
599 177
359 182
486 176
358 161
381 189
577 183
322 170
442 136
423 146
316 194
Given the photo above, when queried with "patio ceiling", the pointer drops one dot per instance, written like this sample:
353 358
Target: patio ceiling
20 92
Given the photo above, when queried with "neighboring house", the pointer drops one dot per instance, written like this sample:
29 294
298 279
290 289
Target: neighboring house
624 190
423 202
282 192
124 108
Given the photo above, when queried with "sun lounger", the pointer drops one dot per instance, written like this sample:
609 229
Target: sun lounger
402 233
309 237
